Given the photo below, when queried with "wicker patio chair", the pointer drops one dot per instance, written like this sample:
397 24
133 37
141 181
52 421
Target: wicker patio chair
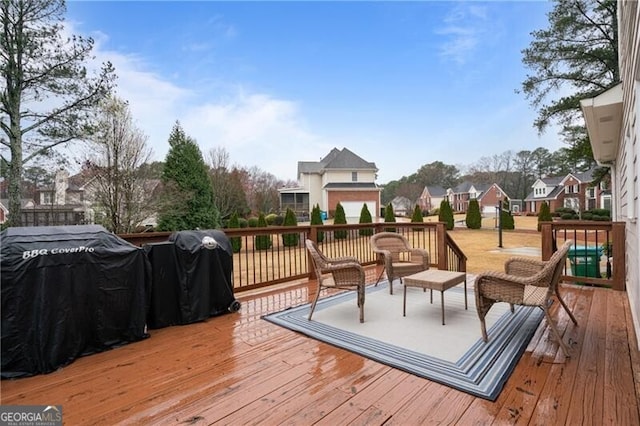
527 282
337 272
400 259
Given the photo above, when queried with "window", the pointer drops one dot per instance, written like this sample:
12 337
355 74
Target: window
354 176
46 198
591 192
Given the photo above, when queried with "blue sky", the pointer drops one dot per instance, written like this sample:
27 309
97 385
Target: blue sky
401 84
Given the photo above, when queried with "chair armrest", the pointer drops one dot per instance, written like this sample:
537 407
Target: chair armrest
344 259
347 273
420 253
523 266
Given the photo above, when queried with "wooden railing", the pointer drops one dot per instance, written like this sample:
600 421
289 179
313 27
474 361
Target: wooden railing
255 268
602 242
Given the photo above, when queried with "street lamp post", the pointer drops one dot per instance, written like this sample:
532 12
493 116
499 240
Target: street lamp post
499 213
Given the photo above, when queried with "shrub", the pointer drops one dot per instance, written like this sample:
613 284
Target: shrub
243 222
566 216
365 217
279 220
473 217
544 215
445 214
271 219
316 219
506 217
389 217
339 219
416 217
262 242
293 239
253 222
236 242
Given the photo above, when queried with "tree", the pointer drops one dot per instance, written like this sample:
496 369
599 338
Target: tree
506 218
316 219
236 242
340 219
261 189
416 217
389 217
577 55
123 195
544 215
228 192
48 97
445 214
292 239
188 198
264 241
473 217
365 217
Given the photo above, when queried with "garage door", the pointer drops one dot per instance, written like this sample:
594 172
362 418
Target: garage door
352 210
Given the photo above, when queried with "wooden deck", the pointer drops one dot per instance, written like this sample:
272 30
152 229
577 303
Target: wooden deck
239 369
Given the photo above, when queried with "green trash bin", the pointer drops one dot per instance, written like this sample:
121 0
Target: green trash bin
585 261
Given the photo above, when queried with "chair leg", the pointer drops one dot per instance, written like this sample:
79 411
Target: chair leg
380 276
556 333
361 302
566 308
313 305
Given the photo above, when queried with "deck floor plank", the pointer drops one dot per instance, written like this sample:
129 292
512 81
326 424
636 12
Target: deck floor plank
240 369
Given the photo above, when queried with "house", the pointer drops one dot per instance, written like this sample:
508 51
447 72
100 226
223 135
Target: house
431 197
546 190
62 203
488 196
574 191
340 177
614 132
402 206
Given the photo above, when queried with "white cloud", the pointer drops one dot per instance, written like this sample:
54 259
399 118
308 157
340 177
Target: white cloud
463 29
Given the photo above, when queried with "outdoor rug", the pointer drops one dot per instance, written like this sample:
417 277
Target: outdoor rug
453 354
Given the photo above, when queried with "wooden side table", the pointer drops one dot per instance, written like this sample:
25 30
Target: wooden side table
434 279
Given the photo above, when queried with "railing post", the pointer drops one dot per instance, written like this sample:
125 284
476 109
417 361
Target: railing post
441 231
619 257
313 236
546 241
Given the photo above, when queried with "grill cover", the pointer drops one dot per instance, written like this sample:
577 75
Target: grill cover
68 291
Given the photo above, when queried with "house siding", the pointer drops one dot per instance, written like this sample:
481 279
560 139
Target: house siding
627 165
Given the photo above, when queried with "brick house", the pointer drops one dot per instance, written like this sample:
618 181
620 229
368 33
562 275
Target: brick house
574 191
341 176
488 197
431 197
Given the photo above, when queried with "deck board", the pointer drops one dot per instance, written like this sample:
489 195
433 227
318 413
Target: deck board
239 369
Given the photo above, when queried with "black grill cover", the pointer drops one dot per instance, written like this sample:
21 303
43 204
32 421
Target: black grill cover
68 291
197 284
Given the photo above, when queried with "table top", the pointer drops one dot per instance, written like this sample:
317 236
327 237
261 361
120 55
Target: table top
435 278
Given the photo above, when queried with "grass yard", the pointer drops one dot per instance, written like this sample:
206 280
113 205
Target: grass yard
481 245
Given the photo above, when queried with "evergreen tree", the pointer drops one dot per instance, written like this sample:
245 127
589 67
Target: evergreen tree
262 242
292 239
188 198
445 214
575 58
544 215
389 217
416 217
506 217
473 218
340 218
236 242
316 219
48 93
365 217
